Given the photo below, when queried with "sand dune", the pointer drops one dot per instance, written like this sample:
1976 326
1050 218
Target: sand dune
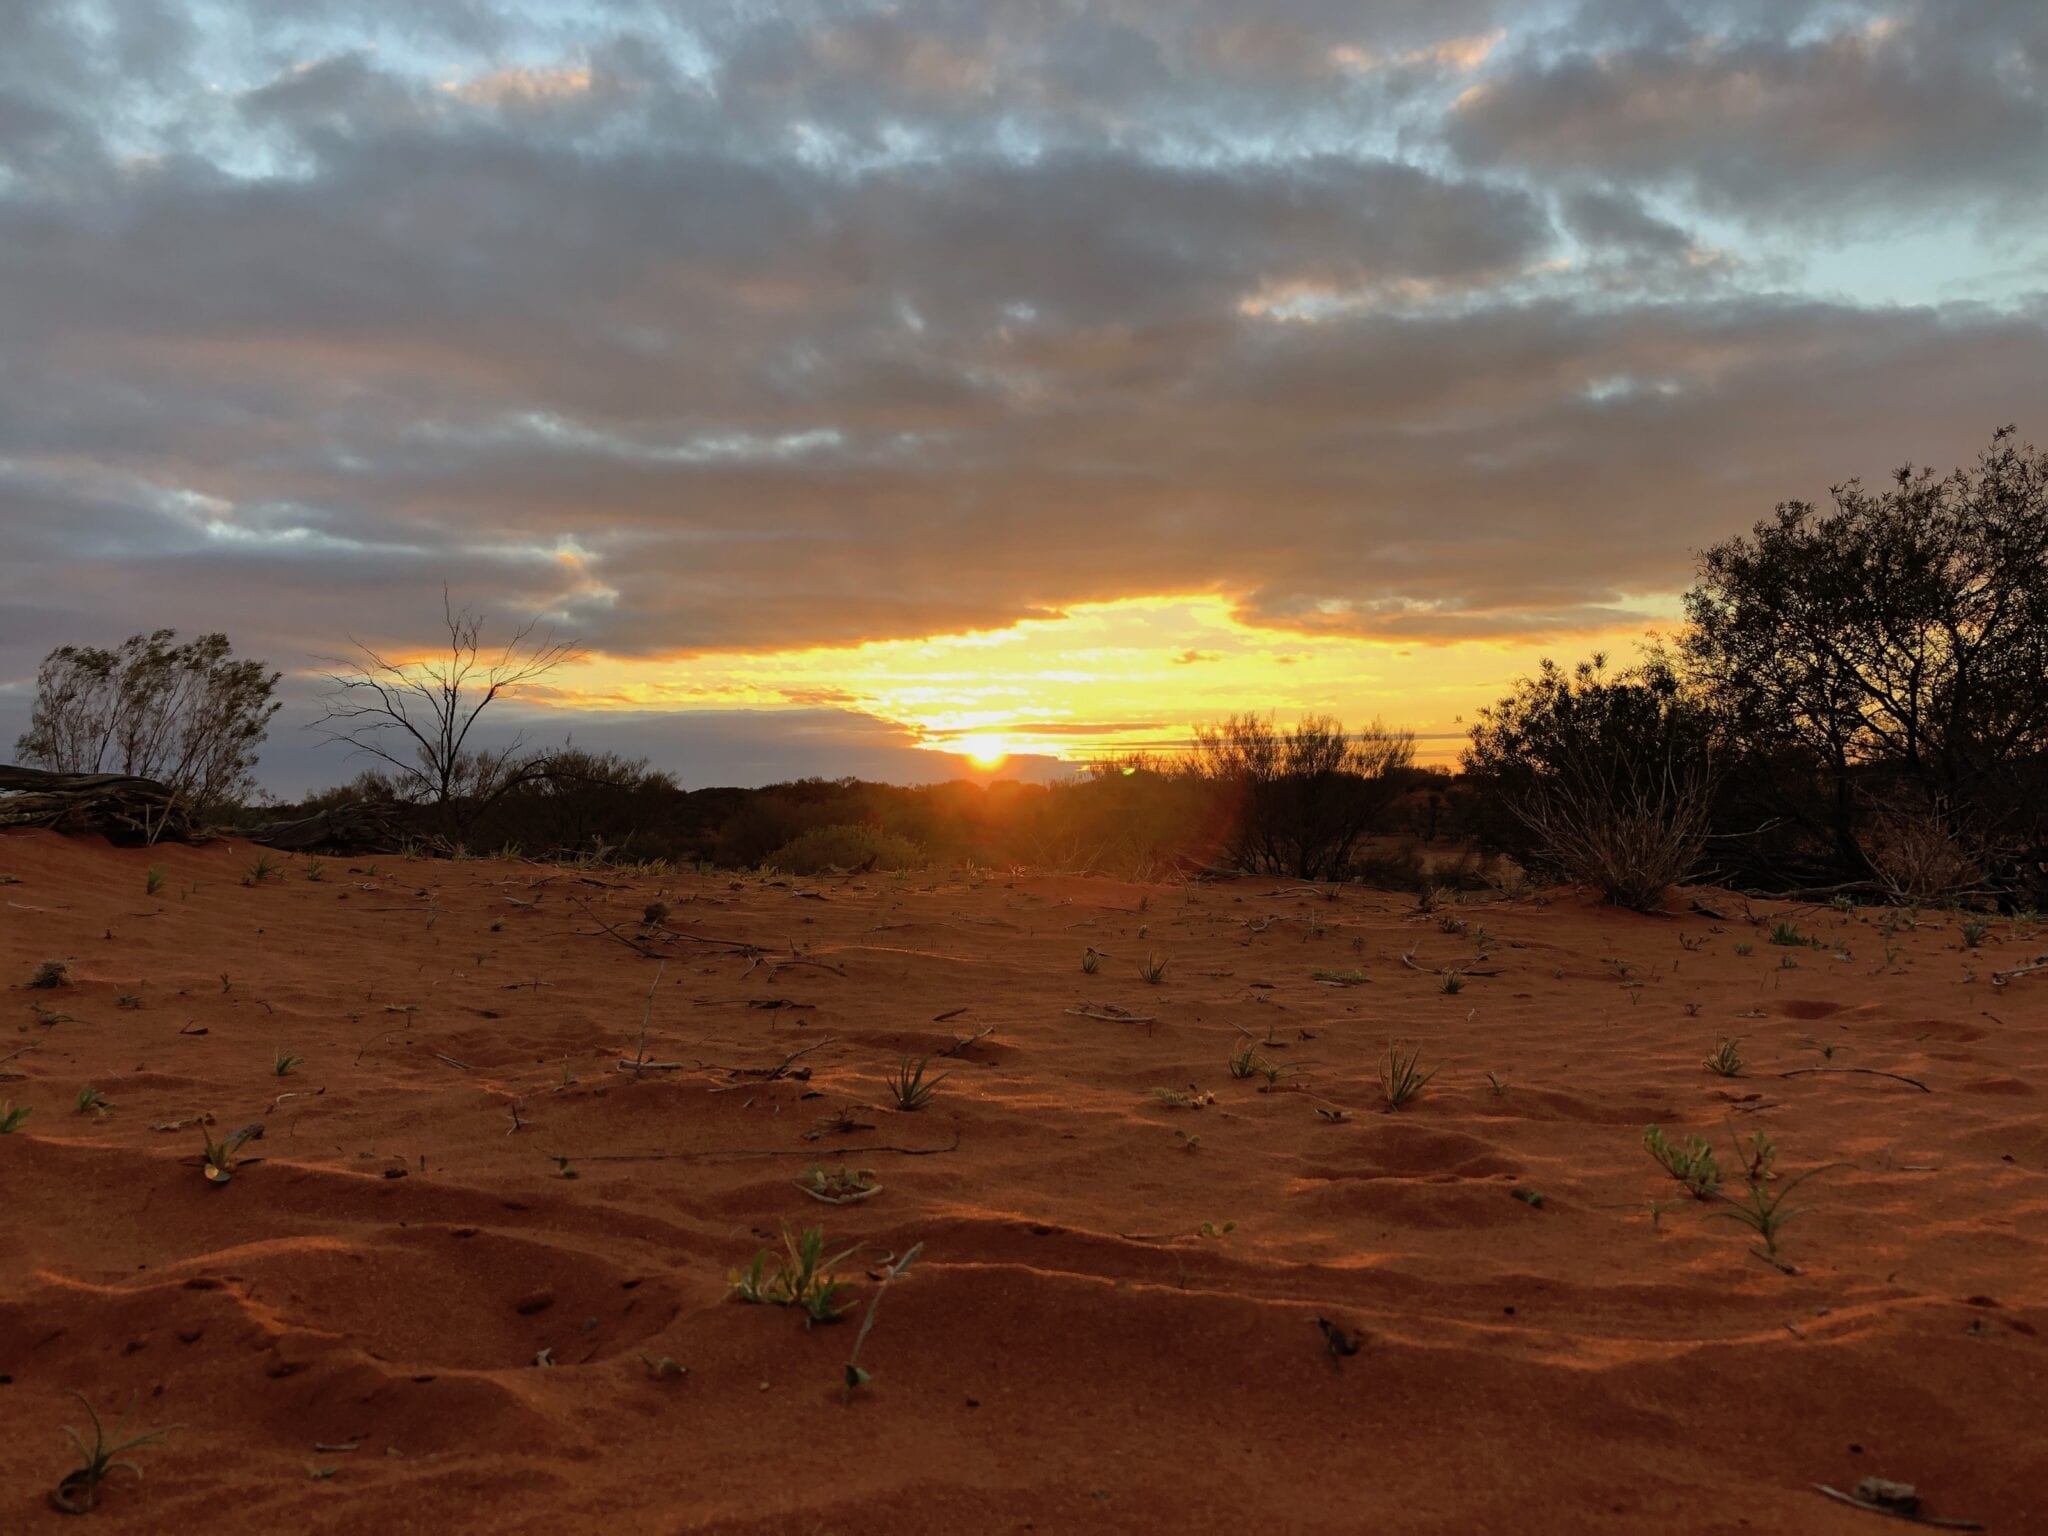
1108 1328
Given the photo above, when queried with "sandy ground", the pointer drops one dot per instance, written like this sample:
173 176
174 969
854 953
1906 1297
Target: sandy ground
1112 1323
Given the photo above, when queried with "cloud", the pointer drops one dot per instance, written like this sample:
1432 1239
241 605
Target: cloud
764 326
1877 114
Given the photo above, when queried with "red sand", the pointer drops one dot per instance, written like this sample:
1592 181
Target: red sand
1069 1354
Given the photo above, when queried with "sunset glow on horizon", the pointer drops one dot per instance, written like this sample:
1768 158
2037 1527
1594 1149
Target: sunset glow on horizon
1099 680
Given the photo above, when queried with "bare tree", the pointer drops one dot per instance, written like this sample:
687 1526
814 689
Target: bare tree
418 718
189 716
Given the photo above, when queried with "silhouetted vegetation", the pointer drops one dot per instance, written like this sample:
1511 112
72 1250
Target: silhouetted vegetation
189 717
1858 703
417 718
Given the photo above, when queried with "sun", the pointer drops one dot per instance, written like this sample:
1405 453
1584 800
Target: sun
983 751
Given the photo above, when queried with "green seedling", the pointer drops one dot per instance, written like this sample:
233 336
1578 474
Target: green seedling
315 869
1273 1071
1529 1197
1452 983
129 1000
1153 970
153 879
11 1118
1762 1207
910 1087
1745 949
282 1063
1693 1164
1402 1077
79 1491
802 1278
1726 1060
1973 931
856 1376
260 871
220 1157
1788 935
91 1101
1212 1229
1245 1063
564 1171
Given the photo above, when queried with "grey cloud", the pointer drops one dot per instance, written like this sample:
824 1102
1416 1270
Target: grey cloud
1871 113
775 325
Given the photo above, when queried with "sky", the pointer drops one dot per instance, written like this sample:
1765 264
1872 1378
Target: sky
872 388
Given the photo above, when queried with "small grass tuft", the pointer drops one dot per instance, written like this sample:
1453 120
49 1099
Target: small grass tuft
1788 935
1401 1076
50 975
1153 970
1091 960
1727 1059
282 1063
910 1087
79 1491
802 1277
91 1101
11 1118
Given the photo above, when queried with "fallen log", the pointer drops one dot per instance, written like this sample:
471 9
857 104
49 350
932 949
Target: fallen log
118 806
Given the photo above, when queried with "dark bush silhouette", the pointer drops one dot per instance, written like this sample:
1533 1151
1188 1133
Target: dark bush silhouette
188 716
1302 799
1879 672
1603 777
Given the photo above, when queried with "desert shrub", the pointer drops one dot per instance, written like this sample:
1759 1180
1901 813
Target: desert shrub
1885 663
1605 776
190 716
1301 800
844 847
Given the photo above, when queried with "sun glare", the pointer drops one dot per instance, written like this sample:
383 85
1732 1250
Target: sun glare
983 752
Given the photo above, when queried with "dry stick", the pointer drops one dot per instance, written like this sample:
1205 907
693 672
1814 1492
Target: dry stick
640 1052
1110 1015
744 945
2000 978
660 1157
453 1062
966 1040
1868 1071
631 943
767 1074
1897 1514
1460 969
